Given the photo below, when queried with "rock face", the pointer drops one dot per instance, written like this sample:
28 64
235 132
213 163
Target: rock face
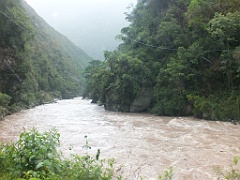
142 100
139 103
114 102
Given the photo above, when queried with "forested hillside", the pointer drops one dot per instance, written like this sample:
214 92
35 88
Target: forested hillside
178 58
37 63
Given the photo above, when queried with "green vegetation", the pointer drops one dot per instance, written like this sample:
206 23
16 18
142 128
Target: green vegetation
35 157
168 174
233 173
37 63
4 102
183 55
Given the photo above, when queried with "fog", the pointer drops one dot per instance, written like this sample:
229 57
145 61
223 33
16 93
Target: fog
90 24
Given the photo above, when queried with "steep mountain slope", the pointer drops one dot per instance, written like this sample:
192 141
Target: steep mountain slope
36 62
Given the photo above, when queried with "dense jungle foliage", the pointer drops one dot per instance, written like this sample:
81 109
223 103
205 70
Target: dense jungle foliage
182 57
37 63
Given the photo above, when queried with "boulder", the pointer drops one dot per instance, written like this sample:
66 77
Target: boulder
115 102
142 100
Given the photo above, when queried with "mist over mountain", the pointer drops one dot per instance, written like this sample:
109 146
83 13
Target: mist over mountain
92 25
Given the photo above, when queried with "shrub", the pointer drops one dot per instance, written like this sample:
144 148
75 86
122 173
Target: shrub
35 157
4 99
219 106
88 168
170 102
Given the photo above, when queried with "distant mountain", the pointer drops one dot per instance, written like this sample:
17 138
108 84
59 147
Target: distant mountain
96 32
36 62
92 24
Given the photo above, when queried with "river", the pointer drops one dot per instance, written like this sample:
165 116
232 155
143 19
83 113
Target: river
143 145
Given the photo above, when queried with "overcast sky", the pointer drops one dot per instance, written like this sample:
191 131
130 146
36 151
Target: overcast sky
90 24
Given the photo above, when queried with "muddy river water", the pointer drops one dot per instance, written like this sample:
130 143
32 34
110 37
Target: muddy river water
143 145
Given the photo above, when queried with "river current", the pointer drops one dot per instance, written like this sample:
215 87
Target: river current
142 145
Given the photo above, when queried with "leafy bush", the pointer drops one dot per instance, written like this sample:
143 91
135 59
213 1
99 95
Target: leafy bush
35 157
4 99
88 168
219 106
170 102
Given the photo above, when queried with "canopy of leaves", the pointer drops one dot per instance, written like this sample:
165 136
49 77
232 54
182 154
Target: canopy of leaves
187 51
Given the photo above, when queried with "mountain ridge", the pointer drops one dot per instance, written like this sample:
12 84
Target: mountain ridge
37 63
